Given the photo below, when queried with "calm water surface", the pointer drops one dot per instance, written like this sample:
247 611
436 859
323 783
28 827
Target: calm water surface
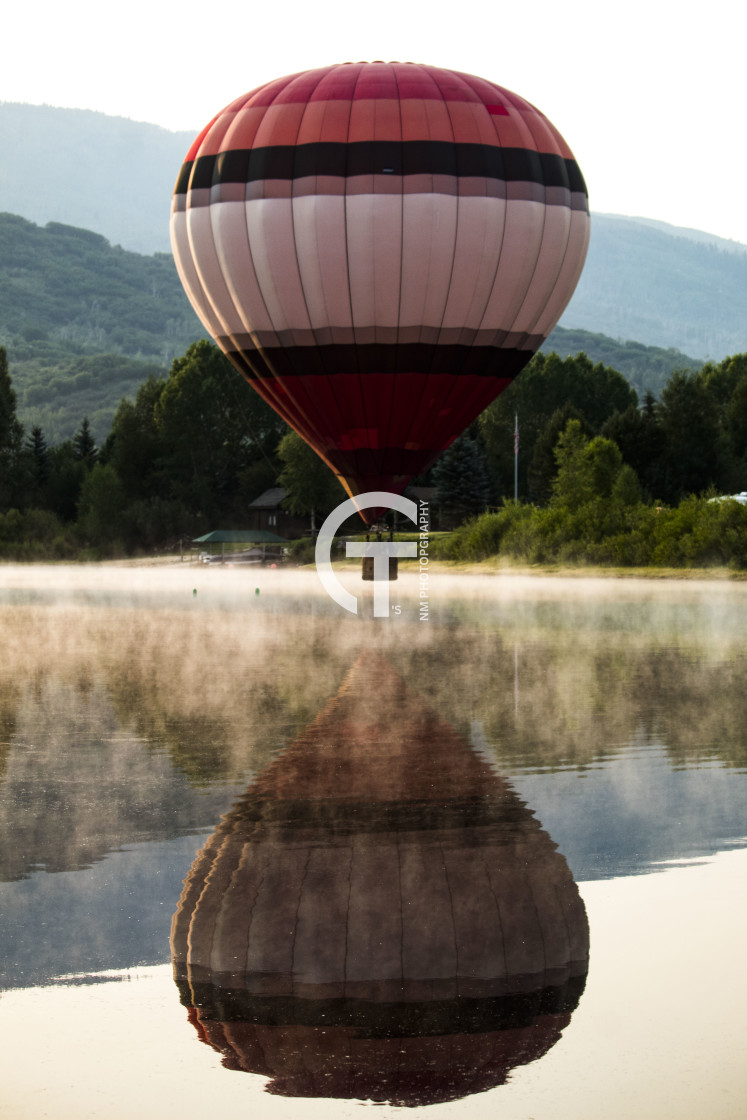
260 856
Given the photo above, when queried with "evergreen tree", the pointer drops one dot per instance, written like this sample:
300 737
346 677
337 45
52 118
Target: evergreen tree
36 446
36 463
462 480
543 468
65 481
726 386
694 453
8 419
639 435
84 445
11 442
736 429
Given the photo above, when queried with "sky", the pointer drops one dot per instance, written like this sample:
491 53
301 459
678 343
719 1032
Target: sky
649 95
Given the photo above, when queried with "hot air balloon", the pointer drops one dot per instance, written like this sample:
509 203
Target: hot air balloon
380 916
379 248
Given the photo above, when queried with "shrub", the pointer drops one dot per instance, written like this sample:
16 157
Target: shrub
698 533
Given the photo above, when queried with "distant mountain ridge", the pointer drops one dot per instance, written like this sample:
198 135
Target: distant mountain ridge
644 280
85 322
663 286
726 244
108 174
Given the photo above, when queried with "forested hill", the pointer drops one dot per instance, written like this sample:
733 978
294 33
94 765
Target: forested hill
84 322
644 280
73 286
647 368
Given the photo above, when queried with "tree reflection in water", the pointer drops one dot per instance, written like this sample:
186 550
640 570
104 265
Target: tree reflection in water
379 916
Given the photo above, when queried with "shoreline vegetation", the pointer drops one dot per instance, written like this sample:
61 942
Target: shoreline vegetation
605 482
606 532
600 535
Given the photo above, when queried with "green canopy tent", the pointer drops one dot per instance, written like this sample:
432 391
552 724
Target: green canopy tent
223 537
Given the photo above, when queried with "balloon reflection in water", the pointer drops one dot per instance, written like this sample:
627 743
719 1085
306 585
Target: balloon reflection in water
379 916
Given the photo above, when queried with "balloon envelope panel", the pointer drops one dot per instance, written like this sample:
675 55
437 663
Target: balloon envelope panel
379 248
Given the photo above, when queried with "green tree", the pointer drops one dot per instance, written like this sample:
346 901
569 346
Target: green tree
694 454
462 480
547 384
65 481
311 486
37 458
134 447
11 442
735 426
543 467
639 435
626 490
211 426
36 445
84 445
587 469
726 387
100 507
721 380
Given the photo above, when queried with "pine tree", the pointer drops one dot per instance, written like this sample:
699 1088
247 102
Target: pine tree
8 420
84 445
11 440
36 447
462 481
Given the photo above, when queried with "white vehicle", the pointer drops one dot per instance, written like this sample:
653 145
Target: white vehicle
741 498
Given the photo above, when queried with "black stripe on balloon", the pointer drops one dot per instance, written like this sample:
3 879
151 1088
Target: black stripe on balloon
374 157
200 987
415 357
494 816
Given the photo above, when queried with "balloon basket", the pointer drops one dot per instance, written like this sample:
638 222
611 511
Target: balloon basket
367 568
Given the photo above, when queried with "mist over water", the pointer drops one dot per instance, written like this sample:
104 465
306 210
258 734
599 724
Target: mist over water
140 705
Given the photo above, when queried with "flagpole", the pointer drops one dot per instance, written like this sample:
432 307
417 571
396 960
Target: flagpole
516 456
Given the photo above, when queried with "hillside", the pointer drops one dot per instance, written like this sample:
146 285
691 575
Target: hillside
682 231
644 280
663 287
85 322
647 368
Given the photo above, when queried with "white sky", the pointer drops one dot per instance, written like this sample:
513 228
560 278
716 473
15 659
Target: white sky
650 95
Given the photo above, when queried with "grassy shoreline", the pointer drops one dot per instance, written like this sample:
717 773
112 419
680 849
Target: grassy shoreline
490 568
499 567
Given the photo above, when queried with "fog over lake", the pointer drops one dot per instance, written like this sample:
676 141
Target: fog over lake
506 844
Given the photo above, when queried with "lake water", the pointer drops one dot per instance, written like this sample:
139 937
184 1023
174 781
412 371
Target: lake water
259 856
